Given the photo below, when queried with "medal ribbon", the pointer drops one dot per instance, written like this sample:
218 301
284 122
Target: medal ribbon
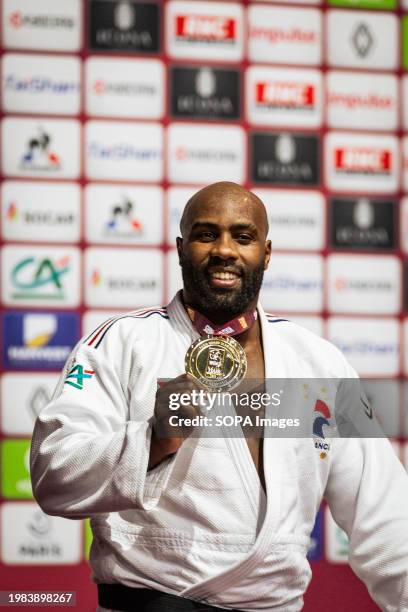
236 326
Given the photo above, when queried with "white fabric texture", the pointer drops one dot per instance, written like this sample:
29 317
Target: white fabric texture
199 524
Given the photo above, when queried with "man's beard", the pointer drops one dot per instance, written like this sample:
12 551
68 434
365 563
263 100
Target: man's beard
216 302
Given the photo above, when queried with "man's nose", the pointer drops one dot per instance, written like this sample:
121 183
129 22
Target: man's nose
224 247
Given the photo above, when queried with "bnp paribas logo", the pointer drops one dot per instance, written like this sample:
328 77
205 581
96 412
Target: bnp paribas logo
41 278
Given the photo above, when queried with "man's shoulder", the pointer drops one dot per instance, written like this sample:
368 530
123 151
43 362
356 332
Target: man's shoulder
123 326
307 344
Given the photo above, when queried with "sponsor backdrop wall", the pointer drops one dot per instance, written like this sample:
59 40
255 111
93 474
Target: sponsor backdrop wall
113 113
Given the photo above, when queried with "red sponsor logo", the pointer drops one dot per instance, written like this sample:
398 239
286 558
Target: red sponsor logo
362 159
278 35
180 153
361 101
206 27
15 19
99 87
285 94
340 284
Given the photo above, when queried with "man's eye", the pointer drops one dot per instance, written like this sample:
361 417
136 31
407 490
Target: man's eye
245 238
205 236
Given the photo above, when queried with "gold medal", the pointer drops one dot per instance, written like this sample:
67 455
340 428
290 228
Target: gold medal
217 362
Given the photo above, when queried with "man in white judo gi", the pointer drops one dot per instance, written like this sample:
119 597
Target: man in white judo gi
192 523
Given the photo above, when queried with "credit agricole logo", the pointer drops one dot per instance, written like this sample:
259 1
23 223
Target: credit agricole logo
40 277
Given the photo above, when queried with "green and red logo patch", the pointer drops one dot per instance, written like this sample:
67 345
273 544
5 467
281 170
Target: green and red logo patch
77 375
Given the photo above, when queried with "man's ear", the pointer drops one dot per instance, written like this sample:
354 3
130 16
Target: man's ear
179 244
268 252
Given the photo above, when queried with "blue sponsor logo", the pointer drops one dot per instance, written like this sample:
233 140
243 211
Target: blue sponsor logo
40 84
315 551
366 347
42 340
286 283
121 151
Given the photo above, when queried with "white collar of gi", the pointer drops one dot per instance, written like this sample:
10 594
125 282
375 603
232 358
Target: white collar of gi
270 339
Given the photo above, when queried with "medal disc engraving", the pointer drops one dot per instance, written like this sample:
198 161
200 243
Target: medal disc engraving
217 362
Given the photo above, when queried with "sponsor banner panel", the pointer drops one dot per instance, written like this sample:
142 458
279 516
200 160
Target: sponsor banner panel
404 224
46 148
289 1
124 151
404 101
359 39
310 322
362 101
177 198
15 469
123 278
370 345
31 537
366 4
405 397
362 162
285 158
174 279
40 212
336 540
128 27
40 276
205 92
44 24
293 283
363 223
87 540
405 163
35 341
283 96
404 23
132 88
296 218
205 153
43 84
204 30
91 319
23 396
124 214
405 268
364 284
284 35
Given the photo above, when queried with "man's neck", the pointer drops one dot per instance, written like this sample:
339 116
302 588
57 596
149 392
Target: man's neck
251 336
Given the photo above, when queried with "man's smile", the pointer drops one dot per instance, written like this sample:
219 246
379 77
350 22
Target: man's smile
224 278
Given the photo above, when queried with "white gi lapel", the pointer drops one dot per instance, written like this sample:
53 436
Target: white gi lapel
275 367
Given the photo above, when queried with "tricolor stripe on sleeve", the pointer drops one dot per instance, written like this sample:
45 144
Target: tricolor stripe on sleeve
96 337
273 319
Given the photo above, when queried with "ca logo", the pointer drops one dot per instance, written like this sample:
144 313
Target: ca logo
78 374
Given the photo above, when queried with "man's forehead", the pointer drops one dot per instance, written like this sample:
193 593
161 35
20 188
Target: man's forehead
223 206
221 202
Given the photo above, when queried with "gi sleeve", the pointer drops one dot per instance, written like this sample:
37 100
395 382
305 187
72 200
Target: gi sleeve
367 492
87 457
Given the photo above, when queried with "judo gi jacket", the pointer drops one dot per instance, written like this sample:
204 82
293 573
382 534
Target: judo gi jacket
199 524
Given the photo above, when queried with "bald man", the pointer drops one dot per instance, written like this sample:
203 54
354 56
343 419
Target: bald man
195 522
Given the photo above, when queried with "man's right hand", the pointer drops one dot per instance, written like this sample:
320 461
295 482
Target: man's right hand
166 439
